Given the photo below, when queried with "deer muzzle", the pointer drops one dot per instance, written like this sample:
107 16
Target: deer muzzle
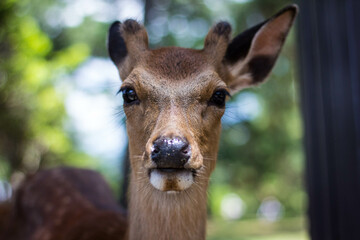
172 169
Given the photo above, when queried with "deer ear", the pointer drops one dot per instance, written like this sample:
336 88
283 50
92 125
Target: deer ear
251 55
216 42
127 42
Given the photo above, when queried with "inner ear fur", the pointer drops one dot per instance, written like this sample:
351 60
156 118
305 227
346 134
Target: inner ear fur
251 55
127 43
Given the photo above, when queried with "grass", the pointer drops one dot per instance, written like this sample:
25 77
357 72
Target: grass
286 229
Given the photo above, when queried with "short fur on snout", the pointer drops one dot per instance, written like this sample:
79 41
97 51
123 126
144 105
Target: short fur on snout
178 94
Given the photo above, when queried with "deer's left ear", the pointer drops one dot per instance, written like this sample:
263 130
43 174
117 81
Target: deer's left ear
251 55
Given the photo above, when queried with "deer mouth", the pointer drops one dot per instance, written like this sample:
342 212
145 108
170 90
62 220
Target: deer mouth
171 179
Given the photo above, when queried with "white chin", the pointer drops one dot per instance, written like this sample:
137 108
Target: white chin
176 180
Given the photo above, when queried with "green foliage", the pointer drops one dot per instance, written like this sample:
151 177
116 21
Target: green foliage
289 229
31 109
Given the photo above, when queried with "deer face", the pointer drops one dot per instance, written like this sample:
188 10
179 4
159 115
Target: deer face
174 98
174 104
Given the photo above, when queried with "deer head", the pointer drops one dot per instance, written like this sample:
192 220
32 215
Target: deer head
174 99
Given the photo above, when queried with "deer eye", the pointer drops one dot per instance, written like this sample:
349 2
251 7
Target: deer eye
218 98
129 95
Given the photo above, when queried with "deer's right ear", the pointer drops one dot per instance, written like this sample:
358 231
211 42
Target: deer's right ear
127 42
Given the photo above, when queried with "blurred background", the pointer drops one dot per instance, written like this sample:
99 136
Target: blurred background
58 105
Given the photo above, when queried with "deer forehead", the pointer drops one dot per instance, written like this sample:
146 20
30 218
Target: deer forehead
175 63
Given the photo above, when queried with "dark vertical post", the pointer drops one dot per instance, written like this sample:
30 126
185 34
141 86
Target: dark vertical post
329 38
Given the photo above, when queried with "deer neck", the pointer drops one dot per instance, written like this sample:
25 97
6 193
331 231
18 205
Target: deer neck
160 215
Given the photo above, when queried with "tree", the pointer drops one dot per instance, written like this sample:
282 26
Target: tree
32 112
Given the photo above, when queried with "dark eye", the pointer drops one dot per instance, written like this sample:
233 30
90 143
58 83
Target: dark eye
218 98
129 95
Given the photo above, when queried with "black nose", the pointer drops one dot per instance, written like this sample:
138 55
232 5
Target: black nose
170 152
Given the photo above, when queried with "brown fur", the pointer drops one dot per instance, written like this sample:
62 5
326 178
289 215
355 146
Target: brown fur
174 87
184 62
64 204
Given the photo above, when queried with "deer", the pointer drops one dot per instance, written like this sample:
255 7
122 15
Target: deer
173 99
